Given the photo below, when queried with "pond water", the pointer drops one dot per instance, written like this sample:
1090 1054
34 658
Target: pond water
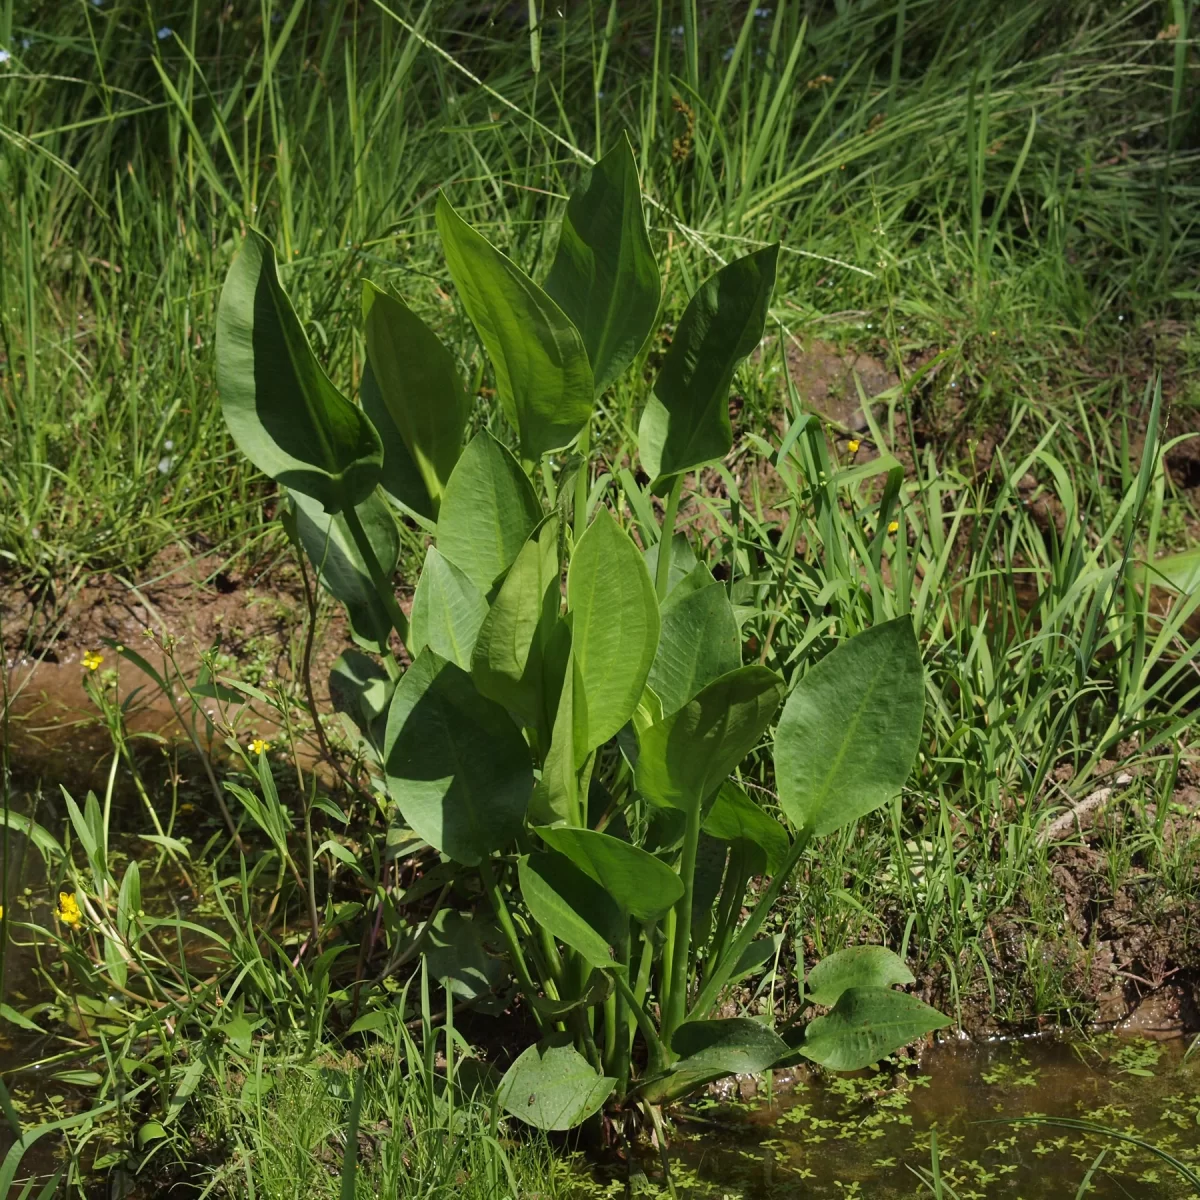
873 1135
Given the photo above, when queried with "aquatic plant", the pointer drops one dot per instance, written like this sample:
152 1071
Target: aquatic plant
578 745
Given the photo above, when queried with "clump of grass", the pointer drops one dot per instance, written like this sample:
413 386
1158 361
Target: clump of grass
938 173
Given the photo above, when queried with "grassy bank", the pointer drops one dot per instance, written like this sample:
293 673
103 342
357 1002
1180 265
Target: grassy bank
992 213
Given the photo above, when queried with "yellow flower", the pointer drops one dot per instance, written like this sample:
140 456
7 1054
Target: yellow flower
853 445
92 660
1 912
68 910
895 525
259 746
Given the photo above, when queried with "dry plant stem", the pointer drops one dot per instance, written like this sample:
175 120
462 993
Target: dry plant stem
1073 817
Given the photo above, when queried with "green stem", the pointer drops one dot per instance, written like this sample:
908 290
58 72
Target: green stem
383 585
618 1058
723 969
662 573
508 929
583 447
676 1003
658 1055
736 878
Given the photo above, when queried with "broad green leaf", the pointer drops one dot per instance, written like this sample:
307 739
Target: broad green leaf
734 817
507 664
282 410
637 882
457 767
604 276
687 756
447 611
686 420
734 1046
867 1024
361 688
458 954
856 966
849 731
552 1086
683 561
487 513
699 642
401 479
542 374
614 628
419 385
570 905
340 567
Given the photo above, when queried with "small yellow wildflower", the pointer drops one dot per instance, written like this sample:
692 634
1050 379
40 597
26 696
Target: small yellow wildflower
68 910
895 525
853 445
92 660
259 746
1 912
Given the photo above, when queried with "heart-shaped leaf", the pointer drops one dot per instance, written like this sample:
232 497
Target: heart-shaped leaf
488 511
282 410
571 906
856 966
457 767
614 628
604 276
638 883
699 642
543 377
340 567
447 611
734 817
849 730
507 664
419 385
552 1086
687 756
867 1024
686 420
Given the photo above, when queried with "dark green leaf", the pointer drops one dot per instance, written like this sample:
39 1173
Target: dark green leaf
361 688
735 1046
614 628
735 817
340 567
699 642
686 757
400 478
867 1024
856 966
552 1086
604 276
637 882
284 414
571 906
686 421
419 385
447 611
457 767
849 731
487 513
542 374
458 954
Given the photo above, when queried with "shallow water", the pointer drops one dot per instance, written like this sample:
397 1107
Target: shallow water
872 1135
